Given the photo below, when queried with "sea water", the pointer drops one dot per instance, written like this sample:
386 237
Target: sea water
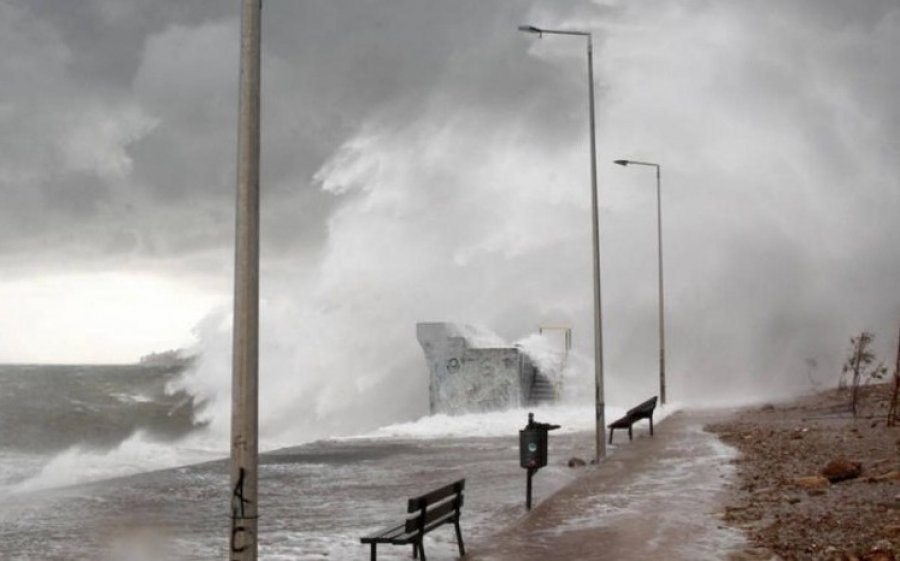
100 462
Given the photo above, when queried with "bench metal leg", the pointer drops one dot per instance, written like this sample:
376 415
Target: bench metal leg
610 436
415 551
373 555
462 548
630 436
651 426
422 549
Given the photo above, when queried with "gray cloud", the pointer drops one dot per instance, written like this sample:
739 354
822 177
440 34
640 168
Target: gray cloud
776 123
140 99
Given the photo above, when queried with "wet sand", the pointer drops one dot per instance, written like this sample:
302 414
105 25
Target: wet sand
655 498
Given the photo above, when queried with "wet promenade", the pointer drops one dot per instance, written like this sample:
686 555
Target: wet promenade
655 498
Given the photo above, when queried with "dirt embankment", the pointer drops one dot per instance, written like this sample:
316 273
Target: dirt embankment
815 482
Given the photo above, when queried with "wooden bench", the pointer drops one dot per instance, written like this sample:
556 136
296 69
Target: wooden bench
424 514
635 414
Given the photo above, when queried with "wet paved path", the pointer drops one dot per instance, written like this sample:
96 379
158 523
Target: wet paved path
655 498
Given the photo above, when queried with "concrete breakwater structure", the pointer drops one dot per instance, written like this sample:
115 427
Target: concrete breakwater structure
473 370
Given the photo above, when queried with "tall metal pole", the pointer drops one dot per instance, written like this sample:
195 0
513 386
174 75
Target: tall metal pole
245 350
662 319
600 406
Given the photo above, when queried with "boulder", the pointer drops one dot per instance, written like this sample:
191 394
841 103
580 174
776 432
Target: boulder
576 462
881 551
812 482
841 469
832 553
889 476
891 530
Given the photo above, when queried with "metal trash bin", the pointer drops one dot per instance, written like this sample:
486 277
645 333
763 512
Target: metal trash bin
533 450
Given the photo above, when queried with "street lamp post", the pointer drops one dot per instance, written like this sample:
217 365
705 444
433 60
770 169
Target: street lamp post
600 406
662 334
245 348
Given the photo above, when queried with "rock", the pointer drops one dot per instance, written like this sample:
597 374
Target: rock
889 476
881 551
576 462
832 553
812 482
737 513
892 504
841 469
753 554
892 530
767 407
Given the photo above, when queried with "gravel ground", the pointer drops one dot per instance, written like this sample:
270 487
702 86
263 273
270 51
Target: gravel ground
782 500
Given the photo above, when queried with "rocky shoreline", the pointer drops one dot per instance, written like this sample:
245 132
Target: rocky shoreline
813 481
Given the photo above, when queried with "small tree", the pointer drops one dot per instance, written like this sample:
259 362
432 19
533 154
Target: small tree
860 366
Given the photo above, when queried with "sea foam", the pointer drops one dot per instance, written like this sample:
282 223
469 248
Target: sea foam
141 453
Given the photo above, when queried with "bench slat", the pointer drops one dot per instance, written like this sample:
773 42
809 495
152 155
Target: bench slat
440 510
404 538
644 408
385 534
622 423
446 519
415 504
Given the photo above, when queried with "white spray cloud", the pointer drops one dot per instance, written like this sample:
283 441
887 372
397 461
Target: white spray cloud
458 212
339 351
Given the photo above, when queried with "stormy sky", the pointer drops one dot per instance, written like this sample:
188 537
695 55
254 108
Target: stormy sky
424 160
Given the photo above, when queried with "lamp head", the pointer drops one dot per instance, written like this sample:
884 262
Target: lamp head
622 163
531 29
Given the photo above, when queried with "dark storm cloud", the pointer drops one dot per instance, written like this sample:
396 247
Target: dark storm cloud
131 105
107 37
122 114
